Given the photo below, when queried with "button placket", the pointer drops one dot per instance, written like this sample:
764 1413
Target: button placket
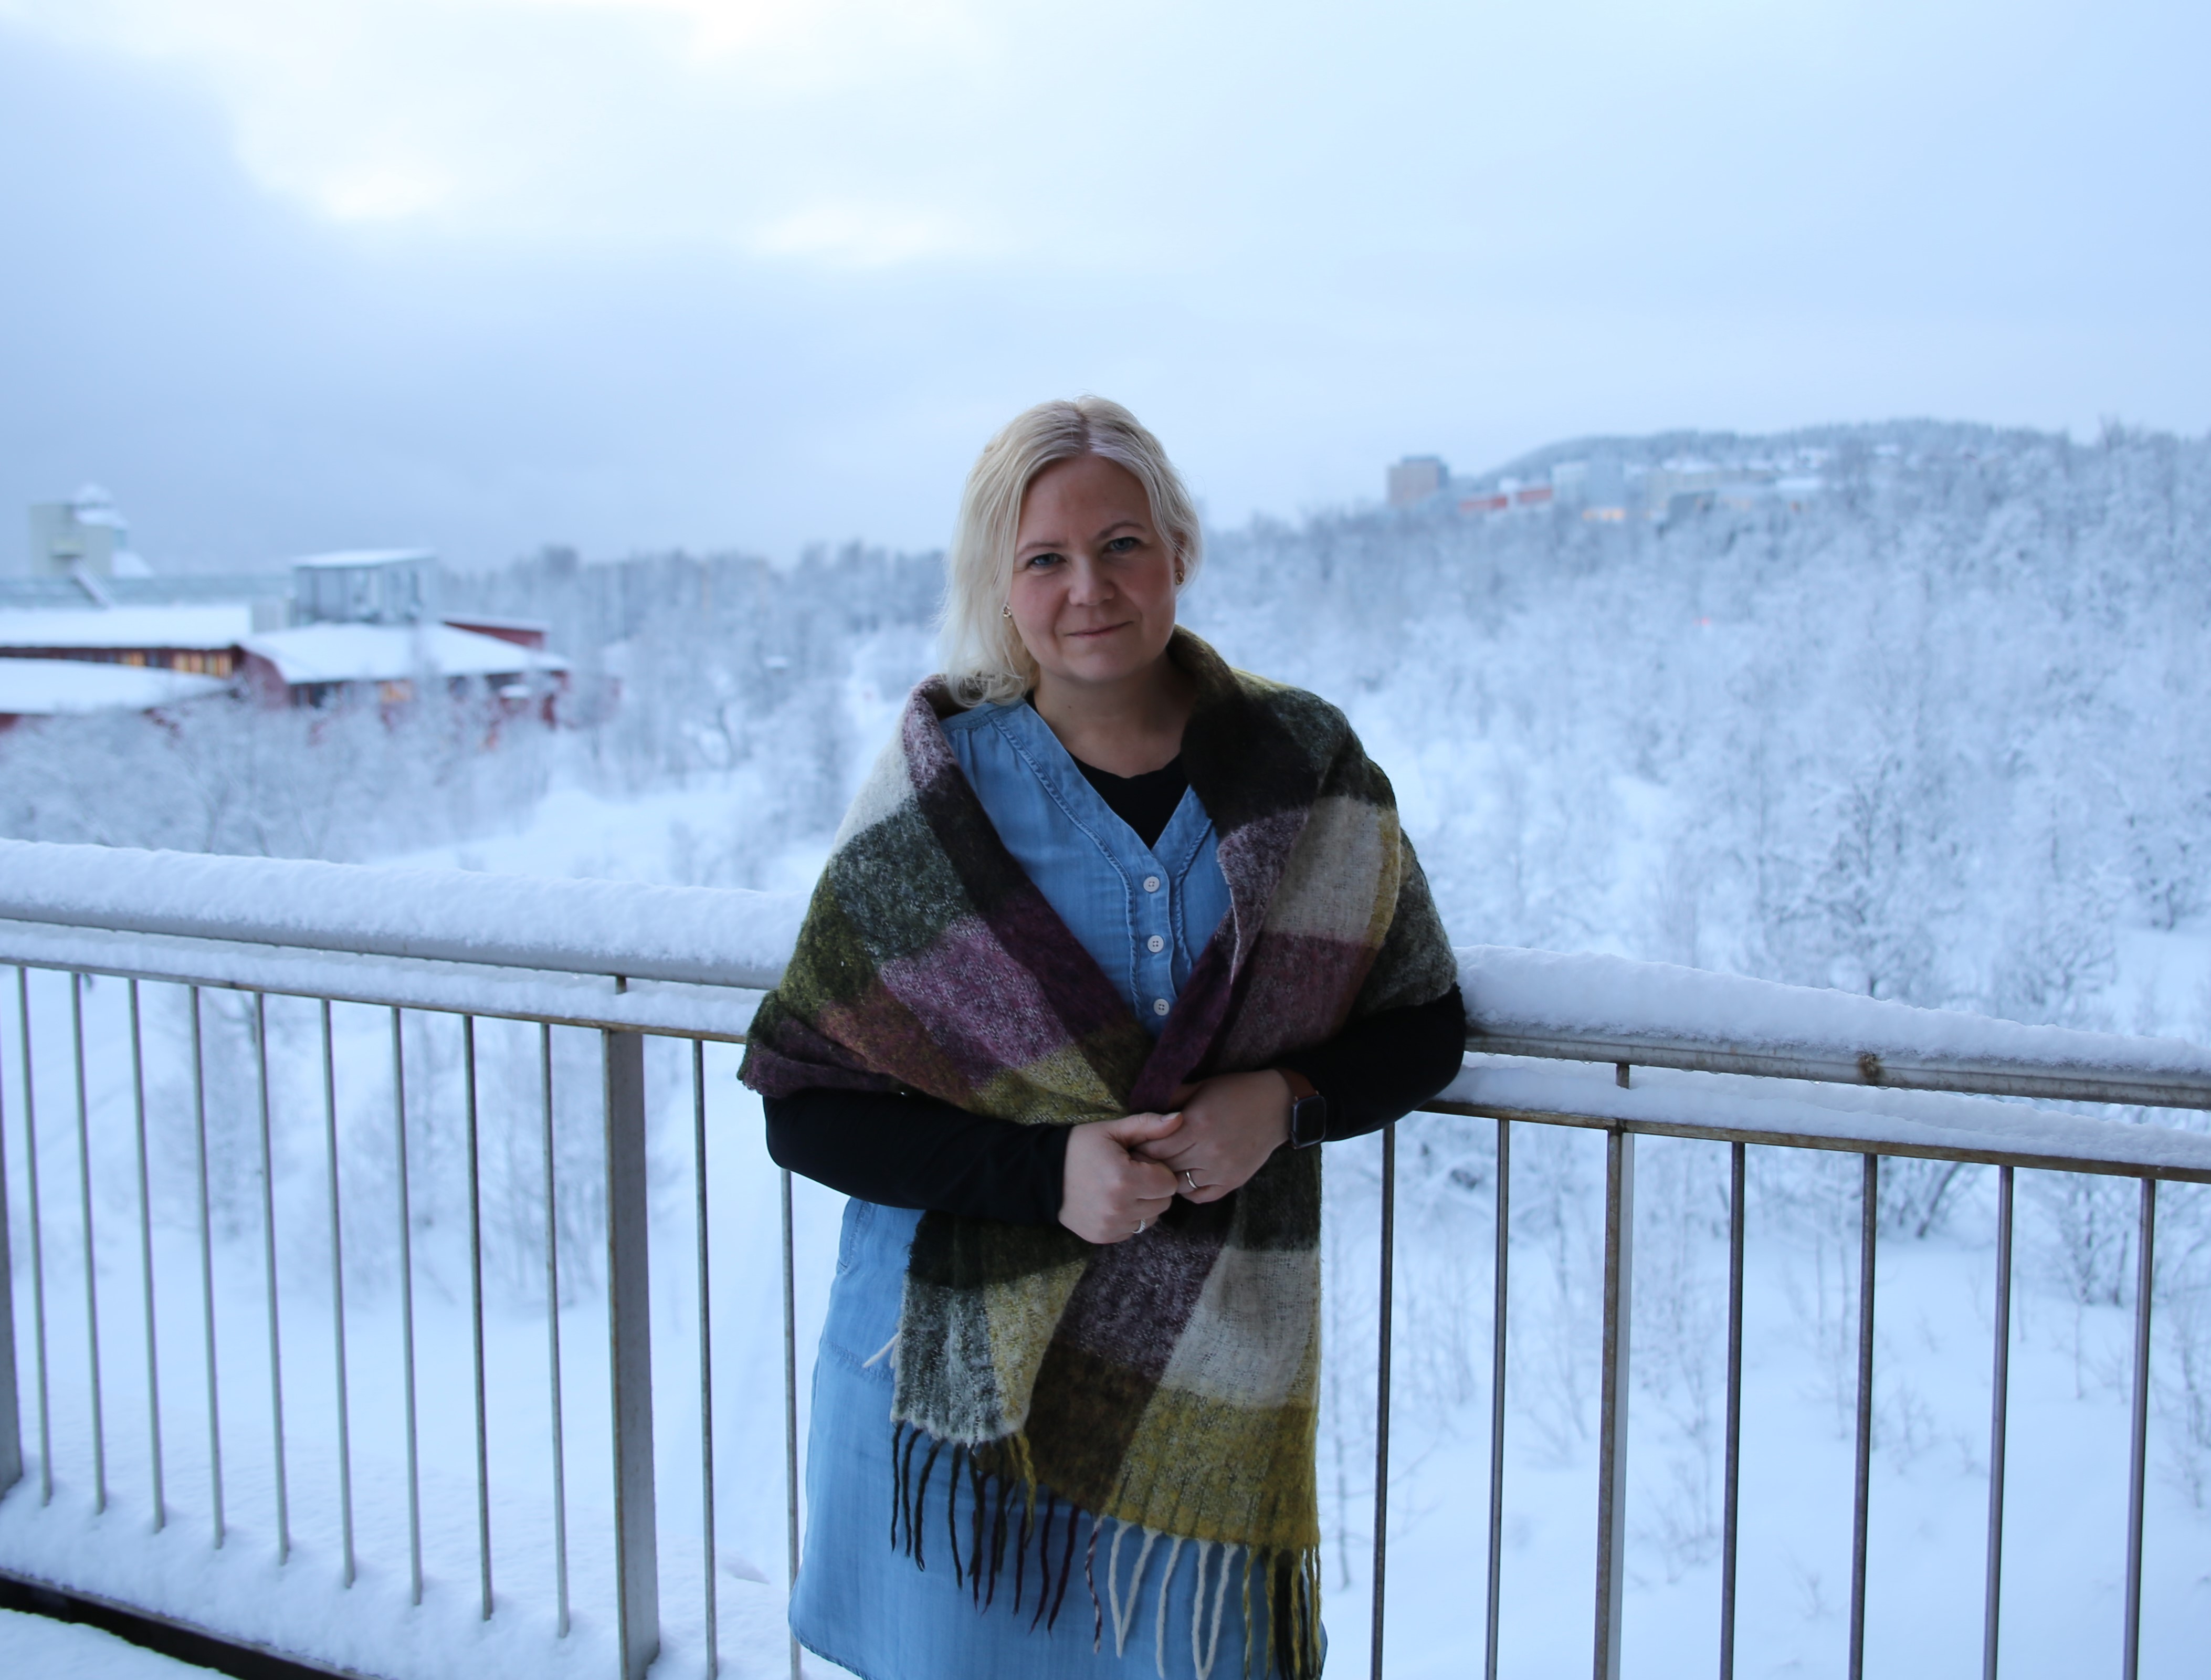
1158 971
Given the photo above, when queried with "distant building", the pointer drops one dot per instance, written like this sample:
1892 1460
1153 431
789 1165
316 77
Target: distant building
1682 475
393 665
366 628
1606 489
365 586
86 535
361 626
199 641
1601 487
49 687
522 632
1416 478
90 628
1509 493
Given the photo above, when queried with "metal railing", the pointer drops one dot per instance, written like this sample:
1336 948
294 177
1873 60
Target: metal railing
1557 1041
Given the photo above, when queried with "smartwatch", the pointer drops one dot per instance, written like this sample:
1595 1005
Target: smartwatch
1308 1111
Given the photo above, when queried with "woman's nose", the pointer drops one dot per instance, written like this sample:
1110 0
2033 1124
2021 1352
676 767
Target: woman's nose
1087 582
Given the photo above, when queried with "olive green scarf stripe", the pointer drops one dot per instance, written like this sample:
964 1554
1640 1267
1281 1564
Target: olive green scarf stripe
1414 964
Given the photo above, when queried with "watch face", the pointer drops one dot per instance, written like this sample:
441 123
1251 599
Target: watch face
1308 1120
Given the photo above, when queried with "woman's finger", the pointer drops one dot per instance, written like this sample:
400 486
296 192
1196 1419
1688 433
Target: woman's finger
1150 1178
1171 1153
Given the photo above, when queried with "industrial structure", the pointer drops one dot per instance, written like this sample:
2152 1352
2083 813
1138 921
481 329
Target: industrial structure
87 626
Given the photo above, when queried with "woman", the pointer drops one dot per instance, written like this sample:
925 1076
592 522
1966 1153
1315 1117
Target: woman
1111 935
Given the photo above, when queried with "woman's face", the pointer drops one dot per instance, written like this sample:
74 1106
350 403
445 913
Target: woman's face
1094 588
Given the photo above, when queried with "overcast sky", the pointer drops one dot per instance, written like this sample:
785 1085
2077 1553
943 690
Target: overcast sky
289 275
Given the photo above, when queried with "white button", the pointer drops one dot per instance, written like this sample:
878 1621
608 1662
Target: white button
1158 1006
1155 944
1151 883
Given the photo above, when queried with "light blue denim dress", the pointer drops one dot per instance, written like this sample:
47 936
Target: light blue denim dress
1145 912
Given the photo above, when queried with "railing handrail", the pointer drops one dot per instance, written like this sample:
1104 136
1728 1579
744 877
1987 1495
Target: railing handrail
1612 1008
1590 1007
700 935
1729 1109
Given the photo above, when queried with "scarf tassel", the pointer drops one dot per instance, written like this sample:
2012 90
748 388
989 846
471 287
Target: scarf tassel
1282 1621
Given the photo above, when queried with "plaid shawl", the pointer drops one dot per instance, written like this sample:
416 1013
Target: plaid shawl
1167 1383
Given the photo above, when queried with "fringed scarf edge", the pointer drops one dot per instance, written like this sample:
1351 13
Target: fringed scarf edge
1003 1500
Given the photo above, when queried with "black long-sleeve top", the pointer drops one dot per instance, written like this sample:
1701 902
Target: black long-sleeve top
918 1152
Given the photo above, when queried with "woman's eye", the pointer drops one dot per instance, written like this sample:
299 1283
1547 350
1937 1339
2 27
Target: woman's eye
1121 545
1036 560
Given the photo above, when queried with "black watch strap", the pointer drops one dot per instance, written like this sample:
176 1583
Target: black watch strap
1308 1111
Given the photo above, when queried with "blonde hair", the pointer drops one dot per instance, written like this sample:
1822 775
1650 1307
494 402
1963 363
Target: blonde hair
981 652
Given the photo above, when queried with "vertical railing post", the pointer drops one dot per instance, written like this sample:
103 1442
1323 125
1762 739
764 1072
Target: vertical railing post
407 1308
629 1332
1384 1312
269 1263
1731 1476
38 1242
207 1272
476 1321
1999 1401
1612 1422
705 1355
790 1405
1501 1297
337 1303
11 1411
1861 1495
2138 1446
91 1249
145 1259
553 1343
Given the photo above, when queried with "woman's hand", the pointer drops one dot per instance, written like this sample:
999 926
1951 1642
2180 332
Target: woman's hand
1106 1192
1230 1125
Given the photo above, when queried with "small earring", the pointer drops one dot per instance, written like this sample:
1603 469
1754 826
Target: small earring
1005 612
1177 577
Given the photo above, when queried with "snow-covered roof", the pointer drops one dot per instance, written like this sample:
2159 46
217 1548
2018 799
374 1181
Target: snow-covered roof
386 652
127 627
42 688
93 506
364 557
495 619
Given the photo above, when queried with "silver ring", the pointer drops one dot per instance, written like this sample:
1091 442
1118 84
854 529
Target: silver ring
1139 1231
1189 1181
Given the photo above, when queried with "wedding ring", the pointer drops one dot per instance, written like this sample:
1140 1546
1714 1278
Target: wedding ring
1189 1181
1139 1231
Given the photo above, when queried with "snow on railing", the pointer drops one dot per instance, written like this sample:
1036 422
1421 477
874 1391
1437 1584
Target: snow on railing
1519 1002
698 934
1663 1050
1609 1009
